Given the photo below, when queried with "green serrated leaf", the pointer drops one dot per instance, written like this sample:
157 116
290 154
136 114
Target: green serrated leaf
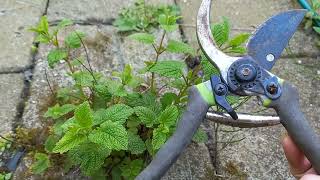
70 140
132 169
116 88
149 147
42 163
221 32
55 56
238 50
90 156
162 19
207 68
239 40
68 124
172 69
102 91
317 29
143 38
168 22
111 135
50 143
73 40
158 138
42 27
84 78
5 176
169 116
170 28
41 38
126 75
57 128
167 99
58 111
83 115
117 113
146 115
179 47
200 136
64 23
148 100
178 83
136 144
125 24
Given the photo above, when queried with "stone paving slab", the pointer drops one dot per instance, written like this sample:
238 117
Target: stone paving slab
84 10
260 155
11 87
16 41
245 16
194 163
108 51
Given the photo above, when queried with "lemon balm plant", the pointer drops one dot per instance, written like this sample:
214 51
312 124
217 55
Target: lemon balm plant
110 126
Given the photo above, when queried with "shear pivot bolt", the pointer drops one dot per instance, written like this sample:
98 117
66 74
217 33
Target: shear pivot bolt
272 88
246 72
220 89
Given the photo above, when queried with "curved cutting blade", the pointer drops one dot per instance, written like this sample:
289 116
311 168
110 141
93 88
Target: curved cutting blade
205 38
270 39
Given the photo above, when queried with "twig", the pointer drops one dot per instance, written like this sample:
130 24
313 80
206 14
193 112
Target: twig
159 52
88 59
46 75
6 139
246 99
230 141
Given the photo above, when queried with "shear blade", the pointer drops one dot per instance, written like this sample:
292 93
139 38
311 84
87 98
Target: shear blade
205 38
270 39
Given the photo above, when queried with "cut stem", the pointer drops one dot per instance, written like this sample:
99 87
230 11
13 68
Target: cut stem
159 51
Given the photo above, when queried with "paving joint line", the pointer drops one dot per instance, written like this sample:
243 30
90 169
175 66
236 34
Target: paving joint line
16 71
87 22
210 144
28 78
301 55
181 30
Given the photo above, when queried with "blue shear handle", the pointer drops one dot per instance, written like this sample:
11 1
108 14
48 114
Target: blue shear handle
298 127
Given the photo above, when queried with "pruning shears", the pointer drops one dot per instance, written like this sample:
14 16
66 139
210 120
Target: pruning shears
248 75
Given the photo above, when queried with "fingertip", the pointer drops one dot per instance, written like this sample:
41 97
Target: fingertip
296 158
310 177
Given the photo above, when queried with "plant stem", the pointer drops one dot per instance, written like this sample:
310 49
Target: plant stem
88 60
159 51
46 74
6 139
69 63
56 41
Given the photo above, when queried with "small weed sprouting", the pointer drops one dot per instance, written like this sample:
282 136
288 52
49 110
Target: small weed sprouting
143 17
112 126
313 18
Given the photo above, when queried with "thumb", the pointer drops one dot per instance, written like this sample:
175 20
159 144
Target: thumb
298 163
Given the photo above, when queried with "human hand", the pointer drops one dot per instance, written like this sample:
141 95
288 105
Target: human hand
300 166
